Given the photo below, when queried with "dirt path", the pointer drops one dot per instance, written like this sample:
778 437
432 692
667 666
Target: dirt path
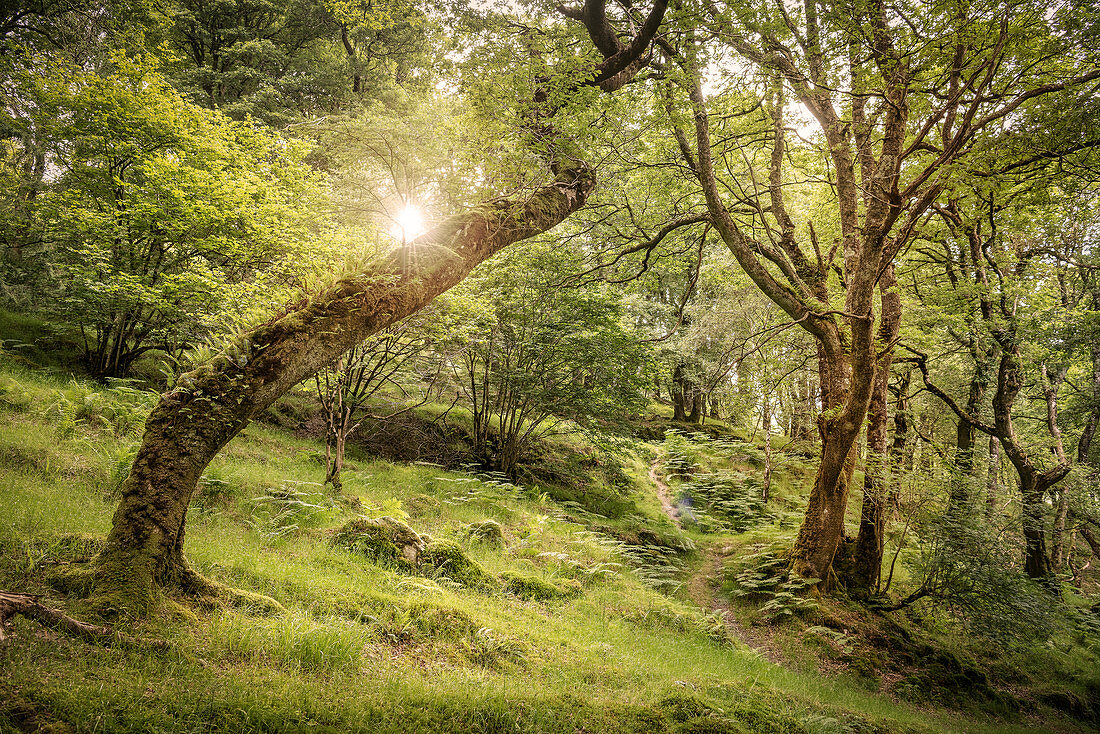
700 586
703 592
664 494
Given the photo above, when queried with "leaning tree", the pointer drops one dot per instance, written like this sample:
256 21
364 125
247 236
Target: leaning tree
210 405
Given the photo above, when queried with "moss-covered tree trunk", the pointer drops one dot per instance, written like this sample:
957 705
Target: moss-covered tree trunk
210 405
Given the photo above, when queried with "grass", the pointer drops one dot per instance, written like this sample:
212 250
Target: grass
370 647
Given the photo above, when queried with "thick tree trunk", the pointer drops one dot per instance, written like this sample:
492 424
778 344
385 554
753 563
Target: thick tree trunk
210 405
696 396
823 526
1036 561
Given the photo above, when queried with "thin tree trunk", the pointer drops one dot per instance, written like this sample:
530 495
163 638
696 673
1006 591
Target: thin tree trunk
1058 532
870 542
993 482
766 494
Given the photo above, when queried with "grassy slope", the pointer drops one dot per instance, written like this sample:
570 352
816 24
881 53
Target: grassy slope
363 647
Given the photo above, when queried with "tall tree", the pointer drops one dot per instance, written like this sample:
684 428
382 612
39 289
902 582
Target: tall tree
900 94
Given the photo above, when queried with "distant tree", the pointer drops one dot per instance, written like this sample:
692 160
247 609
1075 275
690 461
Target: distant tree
284 61
346 388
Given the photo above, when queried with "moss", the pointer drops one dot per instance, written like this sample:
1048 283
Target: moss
72 580
486 531
532 588
77 547
216 594
947 680
442 623
711 725
683 706
447 558
384 539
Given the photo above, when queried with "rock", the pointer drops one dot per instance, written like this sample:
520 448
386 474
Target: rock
448 558
532 588
382 539
486 531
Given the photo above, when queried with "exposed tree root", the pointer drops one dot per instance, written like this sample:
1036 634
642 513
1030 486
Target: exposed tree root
181 581
208 592
30 607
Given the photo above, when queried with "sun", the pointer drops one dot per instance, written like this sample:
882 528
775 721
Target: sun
408 224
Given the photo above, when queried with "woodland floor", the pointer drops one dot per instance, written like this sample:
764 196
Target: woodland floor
602 614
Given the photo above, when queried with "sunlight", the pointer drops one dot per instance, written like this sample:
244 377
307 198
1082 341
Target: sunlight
408 224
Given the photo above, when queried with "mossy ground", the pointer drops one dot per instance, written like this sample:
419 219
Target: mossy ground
367 646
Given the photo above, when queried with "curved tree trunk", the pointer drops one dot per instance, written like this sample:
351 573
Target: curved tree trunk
210 405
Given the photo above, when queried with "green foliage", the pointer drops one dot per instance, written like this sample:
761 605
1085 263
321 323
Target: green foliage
163 214
763 577
537 355
969 572
280 62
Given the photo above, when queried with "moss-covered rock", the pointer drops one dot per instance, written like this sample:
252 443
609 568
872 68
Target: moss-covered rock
684 706
486 531
946 679
384 539
442 623
447 558
532 588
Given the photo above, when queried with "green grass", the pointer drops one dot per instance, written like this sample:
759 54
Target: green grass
369 647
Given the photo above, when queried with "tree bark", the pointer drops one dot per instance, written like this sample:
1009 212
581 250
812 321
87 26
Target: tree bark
211 404
993 481
695 394
870 541
679 394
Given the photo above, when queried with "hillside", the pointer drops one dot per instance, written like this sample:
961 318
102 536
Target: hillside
568 621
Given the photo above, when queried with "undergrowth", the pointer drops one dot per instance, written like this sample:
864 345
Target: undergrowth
584 629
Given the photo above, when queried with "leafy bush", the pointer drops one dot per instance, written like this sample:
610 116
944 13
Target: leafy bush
970 571
724 502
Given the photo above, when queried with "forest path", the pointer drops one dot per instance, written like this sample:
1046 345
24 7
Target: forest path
702 589
664 494
702 585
